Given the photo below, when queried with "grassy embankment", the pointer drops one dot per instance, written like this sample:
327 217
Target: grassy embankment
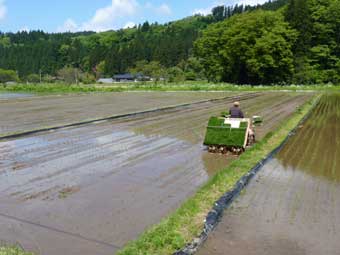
187 86
186 223
12 251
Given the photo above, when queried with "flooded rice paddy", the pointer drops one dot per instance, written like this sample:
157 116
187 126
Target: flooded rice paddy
91 189
8 96
28 113
293 205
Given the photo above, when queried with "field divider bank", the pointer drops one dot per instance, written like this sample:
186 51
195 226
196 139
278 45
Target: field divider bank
186 223
19 134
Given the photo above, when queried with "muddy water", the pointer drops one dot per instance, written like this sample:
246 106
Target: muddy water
19 114
91 189
293 205
8 96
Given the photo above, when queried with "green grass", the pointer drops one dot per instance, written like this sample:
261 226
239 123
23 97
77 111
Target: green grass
173 232
10 250
186 86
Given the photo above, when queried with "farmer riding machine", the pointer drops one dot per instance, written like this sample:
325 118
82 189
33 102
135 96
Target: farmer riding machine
225 134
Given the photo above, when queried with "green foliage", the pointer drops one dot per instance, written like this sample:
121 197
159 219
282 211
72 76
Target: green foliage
252 48
8 75
141 86
69 75
317 51
176 74
152 69
46 78
12 251
34 78
100 69
222 12
87 78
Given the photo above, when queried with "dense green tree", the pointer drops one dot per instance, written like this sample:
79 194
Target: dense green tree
298 14
8 75
250 48
219 13
316 51
69 74
175 74
34 78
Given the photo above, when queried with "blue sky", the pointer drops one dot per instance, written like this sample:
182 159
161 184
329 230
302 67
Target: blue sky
97 15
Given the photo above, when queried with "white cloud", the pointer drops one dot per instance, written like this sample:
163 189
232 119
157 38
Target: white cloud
69 26
205 11
163 9
24 29
114 16
3 10
105 18
129 25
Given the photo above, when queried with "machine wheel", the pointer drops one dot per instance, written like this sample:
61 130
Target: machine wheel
221 149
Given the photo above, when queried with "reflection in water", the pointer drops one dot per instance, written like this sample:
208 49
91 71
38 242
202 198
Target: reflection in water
315 149
13 95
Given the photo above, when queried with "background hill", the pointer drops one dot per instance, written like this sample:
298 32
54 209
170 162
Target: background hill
282 41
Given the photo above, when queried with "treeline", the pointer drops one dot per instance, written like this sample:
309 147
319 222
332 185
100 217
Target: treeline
281 41
102 54
169 46
299 43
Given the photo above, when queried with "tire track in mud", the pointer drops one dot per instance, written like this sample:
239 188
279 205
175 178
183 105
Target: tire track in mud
130 173
292 206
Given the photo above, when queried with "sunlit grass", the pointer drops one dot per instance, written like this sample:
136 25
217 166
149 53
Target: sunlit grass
186 86
10 250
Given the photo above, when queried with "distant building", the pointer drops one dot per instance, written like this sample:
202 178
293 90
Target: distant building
105 80
130 77
11 83
124 77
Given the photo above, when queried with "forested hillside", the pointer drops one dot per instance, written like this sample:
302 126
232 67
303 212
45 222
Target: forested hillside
282 41
299 43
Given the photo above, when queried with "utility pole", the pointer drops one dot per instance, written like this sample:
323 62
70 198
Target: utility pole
40 75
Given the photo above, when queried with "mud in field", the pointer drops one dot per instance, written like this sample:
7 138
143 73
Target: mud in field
91 189
293 205
22 114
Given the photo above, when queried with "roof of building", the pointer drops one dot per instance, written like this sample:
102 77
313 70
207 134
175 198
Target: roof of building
126 76
105 80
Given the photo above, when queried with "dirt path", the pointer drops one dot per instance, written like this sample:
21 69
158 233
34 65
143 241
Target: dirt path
20 113
293 205
90 189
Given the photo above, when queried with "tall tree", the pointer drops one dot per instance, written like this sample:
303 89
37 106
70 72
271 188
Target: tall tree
251 48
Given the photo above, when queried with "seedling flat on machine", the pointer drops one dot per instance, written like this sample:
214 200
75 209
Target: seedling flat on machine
225 134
